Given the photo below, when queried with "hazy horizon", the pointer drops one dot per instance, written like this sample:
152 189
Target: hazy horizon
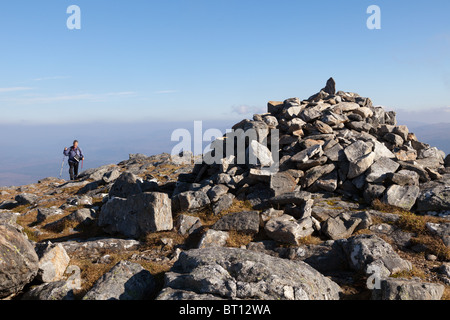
36 151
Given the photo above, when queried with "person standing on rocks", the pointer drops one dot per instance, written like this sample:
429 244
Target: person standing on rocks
75 156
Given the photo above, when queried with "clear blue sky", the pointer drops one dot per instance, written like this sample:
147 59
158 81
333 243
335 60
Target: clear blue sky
144 60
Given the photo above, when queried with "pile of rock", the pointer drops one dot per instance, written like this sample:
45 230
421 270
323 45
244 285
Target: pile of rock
332 142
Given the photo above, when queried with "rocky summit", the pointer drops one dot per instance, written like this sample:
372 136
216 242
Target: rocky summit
326 198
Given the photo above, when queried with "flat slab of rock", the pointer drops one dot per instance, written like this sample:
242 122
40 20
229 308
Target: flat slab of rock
95 245
187 224
244 274
246 221
44 213
402 289
379 170
442 230
282 182
298 198
225 202
191 201
401 196
175 294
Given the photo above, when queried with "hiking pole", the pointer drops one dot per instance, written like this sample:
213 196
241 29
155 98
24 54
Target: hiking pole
62 166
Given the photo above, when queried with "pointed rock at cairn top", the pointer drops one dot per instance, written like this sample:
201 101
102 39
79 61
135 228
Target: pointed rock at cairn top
330 87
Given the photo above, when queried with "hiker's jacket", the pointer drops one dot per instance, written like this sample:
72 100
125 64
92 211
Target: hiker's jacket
72 152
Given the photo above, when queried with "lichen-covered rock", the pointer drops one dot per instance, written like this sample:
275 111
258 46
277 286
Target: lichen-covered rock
286 229
126 185
435 195
401 196
243 274
137 215
402 289
53 291
214 238
19 262
364 251
186 224
245 221
53 261
341 226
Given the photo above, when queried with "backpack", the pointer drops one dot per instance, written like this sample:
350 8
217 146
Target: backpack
77 158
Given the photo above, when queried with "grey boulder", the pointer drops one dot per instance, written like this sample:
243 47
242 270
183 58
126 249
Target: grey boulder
125 281
19 262
53 291
126 185
401 196
286 229
138 215
370 252
243 274
246 221
402 289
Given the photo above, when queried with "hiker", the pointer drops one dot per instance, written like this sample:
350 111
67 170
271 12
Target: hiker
75 156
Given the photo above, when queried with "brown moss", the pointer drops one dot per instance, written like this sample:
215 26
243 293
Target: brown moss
446 295
91 271
27 219
412 223
153 240
238 239
434 246
362 231
310 240
414 272
238 206
377 204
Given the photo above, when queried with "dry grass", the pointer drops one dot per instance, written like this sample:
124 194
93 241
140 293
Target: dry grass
238 206
22 209
154 240
362 231
206 216
434 246
416 224
27 219
446 295
310 240
161 172
414 272
238 239
383 207
90 273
